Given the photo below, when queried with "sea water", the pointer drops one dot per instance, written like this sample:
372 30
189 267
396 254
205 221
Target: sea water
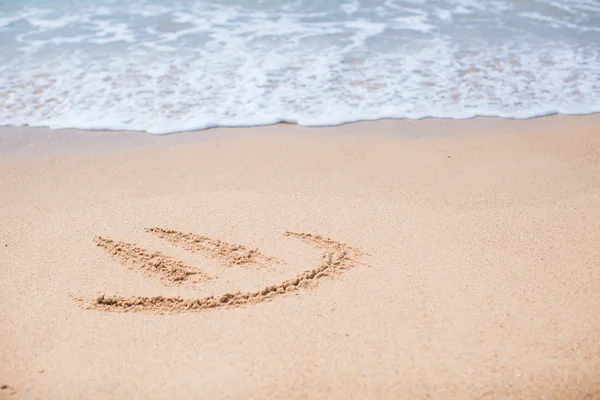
165 66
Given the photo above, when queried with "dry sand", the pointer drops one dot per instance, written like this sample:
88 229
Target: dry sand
429 259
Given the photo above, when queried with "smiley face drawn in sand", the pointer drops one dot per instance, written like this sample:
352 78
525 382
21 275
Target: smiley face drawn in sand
336 258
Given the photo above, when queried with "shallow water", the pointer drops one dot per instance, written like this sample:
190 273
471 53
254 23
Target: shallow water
166 66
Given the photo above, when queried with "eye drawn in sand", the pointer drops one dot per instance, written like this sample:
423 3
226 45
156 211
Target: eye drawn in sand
152 263
229 254
336 257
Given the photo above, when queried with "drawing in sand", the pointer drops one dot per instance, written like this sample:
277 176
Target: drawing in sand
336 258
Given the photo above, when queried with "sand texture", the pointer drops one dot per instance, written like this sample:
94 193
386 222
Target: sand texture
430 259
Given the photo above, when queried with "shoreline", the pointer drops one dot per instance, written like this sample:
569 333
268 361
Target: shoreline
475 274
325 125
27 142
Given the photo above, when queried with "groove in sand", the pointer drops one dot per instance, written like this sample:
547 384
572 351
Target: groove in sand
229 254
336 258
152 263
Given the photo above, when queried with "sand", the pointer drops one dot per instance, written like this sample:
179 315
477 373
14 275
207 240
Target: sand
392 259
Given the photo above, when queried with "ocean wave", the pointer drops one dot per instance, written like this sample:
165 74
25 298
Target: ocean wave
164 67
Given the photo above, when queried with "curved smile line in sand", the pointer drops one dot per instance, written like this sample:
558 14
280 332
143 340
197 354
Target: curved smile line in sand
336 258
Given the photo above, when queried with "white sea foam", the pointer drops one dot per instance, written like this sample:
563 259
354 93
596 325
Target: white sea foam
162 67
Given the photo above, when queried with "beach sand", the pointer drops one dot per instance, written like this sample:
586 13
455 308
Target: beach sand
434 259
